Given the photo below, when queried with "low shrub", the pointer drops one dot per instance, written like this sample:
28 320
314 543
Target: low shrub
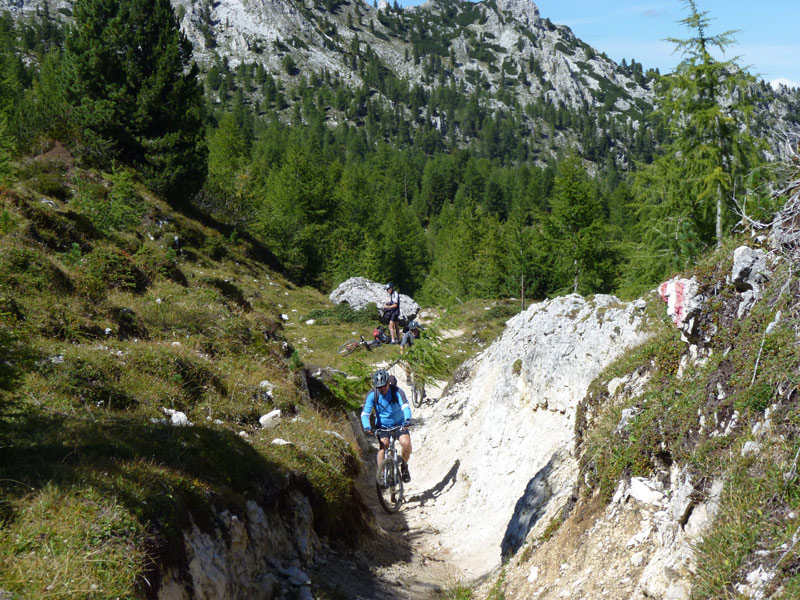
28 271
106 268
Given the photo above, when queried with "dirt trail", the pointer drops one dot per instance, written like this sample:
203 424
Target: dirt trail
406 561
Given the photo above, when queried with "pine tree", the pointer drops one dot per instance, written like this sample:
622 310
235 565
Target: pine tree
134 92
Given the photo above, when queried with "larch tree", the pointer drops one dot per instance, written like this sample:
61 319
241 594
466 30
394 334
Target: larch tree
685 194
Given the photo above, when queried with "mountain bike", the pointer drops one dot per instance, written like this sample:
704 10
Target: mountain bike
352 345
388 478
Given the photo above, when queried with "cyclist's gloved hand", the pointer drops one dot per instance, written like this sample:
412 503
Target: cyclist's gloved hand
407 422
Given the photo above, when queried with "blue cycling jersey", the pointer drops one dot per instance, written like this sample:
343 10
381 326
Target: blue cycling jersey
387 413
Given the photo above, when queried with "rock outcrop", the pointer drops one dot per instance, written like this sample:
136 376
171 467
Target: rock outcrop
261 556
506 425
358 292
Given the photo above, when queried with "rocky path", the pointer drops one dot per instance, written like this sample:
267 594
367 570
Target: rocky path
406 560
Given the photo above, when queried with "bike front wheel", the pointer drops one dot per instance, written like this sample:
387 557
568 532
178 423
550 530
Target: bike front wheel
348 347
389 485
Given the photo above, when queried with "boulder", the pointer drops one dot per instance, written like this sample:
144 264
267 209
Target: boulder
358 292
498 447
749 274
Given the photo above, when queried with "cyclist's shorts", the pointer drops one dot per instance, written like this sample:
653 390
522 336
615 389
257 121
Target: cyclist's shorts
382 434
392 315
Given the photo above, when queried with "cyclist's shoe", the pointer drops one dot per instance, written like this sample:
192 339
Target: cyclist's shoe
404 472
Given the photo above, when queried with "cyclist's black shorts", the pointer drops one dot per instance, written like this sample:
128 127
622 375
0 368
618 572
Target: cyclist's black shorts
382 434
392 315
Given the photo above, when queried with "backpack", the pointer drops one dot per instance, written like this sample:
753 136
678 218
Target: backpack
390 310
379 334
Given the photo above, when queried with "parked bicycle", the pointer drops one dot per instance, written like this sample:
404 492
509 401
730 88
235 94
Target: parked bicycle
379 338
388 478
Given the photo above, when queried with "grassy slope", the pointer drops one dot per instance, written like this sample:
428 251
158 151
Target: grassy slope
105 322
102 328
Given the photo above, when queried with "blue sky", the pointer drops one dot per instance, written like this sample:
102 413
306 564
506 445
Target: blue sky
766 42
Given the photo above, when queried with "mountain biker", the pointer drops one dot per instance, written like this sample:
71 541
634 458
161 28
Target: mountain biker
391 311
410 335
391 410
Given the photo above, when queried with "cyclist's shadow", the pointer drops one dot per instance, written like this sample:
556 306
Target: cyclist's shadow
437 490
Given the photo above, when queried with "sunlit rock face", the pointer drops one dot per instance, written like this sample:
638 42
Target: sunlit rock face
506 424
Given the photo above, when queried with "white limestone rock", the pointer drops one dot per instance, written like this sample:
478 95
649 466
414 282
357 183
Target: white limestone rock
749 274
645 491
358 292
177 418
270 419
516 431
683 305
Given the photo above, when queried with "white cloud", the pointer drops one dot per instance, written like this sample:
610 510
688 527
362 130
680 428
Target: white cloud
776 83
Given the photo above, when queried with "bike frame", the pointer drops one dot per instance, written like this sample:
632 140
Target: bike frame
388 477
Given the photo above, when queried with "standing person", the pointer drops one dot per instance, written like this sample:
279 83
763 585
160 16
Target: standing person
391 410
391 311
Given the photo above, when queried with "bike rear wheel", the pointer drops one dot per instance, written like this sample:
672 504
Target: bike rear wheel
348 347
416 395
389 485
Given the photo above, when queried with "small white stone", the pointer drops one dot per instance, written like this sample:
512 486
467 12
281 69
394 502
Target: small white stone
280 442
270 418
158 300
176 344
751 448
642 490
637 559
284 316
310 322
533 574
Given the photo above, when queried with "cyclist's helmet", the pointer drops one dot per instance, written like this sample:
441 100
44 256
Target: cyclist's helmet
388 286
380 378
414 325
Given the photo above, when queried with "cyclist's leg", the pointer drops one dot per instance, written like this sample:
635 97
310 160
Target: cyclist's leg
405 450
384 443
405 446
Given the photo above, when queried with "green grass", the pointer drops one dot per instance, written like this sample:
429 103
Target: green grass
101 329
